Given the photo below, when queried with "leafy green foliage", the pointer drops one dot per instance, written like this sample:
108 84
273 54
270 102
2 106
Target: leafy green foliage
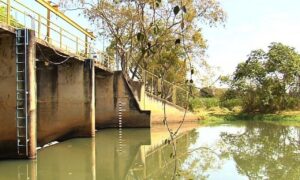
160 36
206 103
269 81
230 103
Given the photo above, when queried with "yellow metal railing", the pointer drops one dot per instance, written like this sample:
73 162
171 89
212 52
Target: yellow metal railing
18 15
104 60
164 89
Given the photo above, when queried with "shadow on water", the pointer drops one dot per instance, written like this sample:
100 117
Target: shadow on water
251 150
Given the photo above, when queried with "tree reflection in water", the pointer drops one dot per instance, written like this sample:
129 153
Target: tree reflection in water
265 151
255 150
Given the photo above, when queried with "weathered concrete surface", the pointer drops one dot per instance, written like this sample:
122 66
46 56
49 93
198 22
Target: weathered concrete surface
8 132
8 136
111 90
64 100
174 113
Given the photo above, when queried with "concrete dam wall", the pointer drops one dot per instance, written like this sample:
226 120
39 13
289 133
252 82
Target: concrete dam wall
65 100
111 91
44 100
174 113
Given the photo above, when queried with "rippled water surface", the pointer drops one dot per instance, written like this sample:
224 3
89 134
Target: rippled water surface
253 150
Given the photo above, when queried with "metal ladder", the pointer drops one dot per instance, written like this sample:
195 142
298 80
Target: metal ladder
22 91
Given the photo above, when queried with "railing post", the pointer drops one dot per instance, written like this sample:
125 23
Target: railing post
144 75
8 12
77 45
159 85
187 99
174 94
86 44
48 25
39 26
60 37
152 85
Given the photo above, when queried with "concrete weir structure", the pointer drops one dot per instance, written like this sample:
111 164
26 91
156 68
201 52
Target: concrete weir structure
65 100
49 92
113 92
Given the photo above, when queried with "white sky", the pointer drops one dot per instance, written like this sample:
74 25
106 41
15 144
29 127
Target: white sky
252 24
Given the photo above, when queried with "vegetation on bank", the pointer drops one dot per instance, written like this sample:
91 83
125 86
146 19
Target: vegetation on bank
266 87
217 115
267 82
214 111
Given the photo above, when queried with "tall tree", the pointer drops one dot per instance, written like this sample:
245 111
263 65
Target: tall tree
268 81
153 34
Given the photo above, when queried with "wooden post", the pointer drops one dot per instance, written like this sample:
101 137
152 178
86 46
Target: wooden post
8 12
32 96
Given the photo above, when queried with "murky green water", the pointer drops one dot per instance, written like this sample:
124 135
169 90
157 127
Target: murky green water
234 151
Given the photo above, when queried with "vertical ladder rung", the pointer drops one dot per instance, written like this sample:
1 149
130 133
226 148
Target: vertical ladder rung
21 92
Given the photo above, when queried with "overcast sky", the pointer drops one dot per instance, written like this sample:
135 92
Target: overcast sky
252 24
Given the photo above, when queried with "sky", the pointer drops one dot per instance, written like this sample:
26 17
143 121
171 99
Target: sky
251 24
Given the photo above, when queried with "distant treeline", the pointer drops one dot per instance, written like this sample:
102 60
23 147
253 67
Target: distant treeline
266 82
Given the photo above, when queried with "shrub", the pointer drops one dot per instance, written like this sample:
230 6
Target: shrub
231 103
206 103
210 102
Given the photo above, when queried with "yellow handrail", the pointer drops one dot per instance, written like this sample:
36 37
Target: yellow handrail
66 18
80 47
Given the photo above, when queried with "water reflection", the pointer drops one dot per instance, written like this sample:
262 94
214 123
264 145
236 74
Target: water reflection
159 161
253 150
237 151
265 151
80 159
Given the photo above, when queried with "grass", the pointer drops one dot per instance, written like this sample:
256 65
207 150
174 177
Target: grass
216 116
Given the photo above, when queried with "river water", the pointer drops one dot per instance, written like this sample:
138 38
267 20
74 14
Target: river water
245 150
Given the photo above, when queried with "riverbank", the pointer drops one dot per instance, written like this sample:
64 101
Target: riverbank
218 116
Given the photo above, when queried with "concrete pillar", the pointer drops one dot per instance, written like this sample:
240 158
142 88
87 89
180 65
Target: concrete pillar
32 96
89 75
